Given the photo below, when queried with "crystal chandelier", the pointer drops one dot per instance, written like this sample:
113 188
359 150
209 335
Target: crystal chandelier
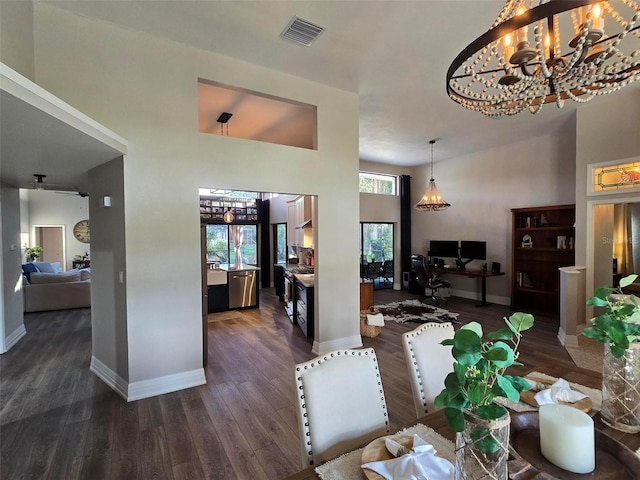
431 199
519 63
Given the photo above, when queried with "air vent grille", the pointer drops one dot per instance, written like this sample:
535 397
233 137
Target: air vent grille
302 31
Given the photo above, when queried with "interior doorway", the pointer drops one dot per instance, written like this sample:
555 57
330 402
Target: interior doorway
603 241
52 240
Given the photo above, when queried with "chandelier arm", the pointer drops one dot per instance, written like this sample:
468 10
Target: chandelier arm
540 12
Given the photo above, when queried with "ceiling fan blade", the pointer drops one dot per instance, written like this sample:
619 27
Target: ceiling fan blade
72 193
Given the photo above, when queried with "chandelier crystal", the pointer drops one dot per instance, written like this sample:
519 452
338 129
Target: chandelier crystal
543 51
431 200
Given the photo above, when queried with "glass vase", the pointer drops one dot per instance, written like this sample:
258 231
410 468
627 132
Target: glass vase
621 390
473 462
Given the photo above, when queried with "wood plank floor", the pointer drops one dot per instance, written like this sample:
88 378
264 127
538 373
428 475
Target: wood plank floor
58 421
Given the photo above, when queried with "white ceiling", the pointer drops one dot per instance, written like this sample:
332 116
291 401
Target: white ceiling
393 53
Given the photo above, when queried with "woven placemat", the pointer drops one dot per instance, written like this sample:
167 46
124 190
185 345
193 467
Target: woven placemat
348 466
594 394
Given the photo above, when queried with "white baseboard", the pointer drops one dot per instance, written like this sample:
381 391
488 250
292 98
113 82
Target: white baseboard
354 341
147 388
108 376
478 296
13 338
166 384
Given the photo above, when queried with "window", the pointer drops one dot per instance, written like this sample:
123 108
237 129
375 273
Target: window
221 246
376 253
376 242
280 243
378 183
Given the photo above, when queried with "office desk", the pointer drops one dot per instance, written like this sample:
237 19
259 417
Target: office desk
470 274
587 378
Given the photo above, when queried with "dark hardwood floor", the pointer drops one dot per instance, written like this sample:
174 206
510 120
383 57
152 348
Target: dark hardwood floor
58 421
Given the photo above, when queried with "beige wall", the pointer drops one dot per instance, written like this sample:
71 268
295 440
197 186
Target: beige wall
145 90
607 130
11 303
16 36
108 259
482 188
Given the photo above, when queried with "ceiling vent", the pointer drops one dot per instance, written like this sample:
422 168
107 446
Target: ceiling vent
302 31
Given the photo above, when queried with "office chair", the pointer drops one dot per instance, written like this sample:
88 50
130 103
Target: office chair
427 279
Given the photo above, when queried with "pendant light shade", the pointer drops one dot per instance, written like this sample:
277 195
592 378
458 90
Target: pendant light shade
228 216
431 199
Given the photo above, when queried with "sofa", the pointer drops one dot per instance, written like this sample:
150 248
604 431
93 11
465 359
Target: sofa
48 289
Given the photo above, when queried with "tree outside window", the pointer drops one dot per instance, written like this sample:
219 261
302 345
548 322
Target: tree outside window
220 245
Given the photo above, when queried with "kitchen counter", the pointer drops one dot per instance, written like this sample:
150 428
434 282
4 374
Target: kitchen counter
232 267
306 279
294 268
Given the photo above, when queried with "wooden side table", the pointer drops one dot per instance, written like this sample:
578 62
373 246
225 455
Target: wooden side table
81 264
366 295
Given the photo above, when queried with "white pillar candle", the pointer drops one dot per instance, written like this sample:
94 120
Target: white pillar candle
567 438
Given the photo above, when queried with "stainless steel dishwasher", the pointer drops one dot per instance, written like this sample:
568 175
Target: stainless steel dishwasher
242 289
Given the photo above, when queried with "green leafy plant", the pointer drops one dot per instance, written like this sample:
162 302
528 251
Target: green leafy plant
478 375
619 323
33 253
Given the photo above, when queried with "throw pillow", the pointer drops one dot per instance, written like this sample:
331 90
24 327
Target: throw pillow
56 267
64 277
28 269
44 267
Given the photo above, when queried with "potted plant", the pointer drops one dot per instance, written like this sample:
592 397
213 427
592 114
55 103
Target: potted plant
478 377
618 327
33 253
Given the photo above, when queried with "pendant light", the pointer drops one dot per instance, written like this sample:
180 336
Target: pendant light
431 199
228 216
548 51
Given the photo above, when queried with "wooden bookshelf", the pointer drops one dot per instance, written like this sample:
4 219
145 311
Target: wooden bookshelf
542 242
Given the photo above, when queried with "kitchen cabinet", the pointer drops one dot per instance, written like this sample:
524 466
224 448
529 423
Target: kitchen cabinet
304 308
542 242
292 218
218 298
299 212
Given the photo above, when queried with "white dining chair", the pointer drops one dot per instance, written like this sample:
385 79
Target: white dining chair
428 362
341 404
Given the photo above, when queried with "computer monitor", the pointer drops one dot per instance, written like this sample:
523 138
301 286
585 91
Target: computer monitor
473 250
443 248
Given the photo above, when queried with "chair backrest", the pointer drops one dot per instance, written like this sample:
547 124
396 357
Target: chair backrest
374 270
341 404
428 362
387 269
418 264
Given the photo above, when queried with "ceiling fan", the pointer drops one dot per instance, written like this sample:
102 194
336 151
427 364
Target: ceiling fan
74 194
40 184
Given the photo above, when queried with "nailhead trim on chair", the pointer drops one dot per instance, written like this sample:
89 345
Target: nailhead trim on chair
365 352
415 361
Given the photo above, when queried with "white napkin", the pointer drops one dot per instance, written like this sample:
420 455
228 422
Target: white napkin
560 391
422 464
375 320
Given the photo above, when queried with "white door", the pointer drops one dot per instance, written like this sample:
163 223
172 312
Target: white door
51 239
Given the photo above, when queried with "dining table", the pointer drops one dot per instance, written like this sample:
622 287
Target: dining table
575 375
